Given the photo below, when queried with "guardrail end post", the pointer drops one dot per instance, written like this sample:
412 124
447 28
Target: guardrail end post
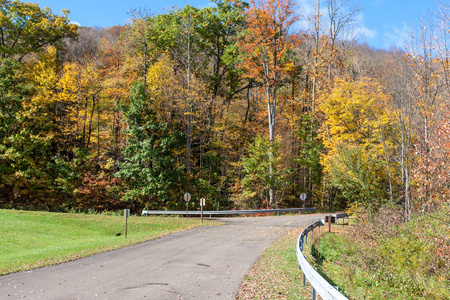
314 294
304 279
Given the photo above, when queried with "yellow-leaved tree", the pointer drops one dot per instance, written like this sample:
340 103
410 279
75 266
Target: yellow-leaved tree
355 135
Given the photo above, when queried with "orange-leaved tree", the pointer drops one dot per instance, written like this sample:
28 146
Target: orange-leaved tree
266 47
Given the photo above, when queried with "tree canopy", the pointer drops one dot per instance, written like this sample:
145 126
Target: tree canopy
232 102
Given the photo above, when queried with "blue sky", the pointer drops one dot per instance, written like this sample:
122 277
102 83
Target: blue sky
383 23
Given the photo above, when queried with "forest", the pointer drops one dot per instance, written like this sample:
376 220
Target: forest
234 102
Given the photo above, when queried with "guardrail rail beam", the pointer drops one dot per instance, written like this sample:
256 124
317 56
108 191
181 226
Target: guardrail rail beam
319 284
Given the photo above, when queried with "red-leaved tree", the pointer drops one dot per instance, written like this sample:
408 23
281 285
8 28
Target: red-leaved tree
266 47
432 173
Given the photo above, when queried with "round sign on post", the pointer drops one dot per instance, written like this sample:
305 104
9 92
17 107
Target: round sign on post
187 197
303 196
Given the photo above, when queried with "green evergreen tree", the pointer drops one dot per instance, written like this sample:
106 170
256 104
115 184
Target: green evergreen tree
257 181
149 169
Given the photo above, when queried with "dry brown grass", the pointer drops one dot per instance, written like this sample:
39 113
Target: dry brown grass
276 274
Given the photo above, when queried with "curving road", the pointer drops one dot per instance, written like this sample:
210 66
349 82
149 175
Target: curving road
205 263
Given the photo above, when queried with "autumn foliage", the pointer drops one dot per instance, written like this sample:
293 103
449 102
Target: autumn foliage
235 103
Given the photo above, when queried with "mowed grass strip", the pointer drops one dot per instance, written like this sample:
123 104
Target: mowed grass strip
276 274
36 239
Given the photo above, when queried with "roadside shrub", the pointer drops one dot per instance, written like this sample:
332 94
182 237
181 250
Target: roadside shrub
382 257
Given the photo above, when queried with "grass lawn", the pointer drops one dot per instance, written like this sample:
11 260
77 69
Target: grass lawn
35 239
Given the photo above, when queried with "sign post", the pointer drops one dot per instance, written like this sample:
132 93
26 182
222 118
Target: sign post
126 214
202 203
329 223
187 198
303 198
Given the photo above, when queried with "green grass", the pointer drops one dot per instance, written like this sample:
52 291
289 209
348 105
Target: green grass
35 239
408 261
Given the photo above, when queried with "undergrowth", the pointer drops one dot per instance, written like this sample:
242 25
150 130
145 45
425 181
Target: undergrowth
383 257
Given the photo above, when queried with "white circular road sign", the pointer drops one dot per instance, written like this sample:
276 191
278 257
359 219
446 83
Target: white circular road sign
187 197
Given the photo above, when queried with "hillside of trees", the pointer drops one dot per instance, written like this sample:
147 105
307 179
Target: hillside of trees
233 103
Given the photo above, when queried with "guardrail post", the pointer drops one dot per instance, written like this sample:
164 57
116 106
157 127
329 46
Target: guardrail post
304 276
314 290
329 223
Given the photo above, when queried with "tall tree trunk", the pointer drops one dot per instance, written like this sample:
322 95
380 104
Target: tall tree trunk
387 162
189 109
98 134
144 77
316 60
271 102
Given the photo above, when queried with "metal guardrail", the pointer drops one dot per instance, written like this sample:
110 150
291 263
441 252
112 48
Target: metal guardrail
340 216
319 284
225 212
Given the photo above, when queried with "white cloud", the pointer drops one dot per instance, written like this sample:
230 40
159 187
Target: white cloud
361 32
75 22
365 33
398 37
210 4
308 9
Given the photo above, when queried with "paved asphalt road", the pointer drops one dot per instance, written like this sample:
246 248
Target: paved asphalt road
204 263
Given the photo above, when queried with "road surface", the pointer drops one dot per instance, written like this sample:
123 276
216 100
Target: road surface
204 263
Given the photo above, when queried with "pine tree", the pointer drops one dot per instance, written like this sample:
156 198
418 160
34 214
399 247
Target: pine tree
149 169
